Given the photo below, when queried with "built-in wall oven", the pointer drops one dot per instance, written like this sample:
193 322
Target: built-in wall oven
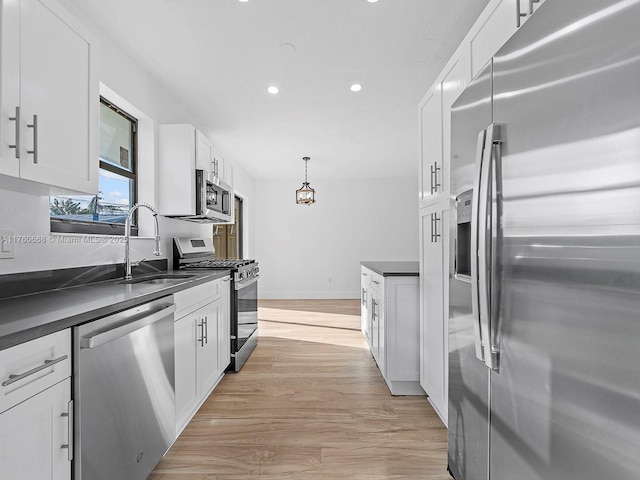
197 253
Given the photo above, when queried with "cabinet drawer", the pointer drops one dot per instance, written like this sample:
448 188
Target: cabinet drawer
34 366
377 282
193 298
365 276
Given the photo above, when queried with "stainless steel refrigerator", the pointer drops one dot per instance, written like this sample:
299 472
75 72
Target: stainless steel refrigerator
544 332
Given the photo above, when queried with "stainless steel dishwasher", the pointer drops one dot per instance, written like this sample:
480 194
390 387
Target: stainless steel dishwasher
124 391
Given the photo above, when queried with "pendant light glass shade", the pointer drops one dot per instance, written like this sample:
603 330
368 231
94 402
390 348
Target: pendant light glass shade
305 195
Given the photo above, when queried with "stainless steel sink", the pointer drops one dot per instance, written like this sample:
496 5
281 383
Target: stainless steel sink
159 279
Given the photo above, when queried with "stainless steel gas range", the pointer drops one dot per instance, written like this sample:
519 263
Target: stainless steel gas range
197 253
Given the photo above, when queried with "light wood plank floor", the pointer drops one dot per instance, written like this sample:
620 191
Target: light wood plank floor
310 404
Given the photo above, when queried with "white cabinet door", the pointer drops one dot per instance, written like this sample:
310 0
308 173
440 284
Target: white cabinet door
207 339
365 276
9 86
58 100
186 378
452 85
204 152
401 324
378 341
434 234
431 144
494 28
222 167
34 436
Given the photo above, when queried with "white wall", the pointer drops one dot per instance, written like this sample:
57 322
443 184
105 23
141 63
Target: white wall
24 210
315 251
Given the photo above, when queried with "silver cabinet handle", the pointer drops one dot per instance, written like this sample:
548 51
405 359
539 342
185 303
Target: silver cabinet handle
376 282
201 339
69 444
434 177
363 300
226 279
531 2
34 125
16 119
431 220
137 322
519 14
364 274
206 330
20 376
434 228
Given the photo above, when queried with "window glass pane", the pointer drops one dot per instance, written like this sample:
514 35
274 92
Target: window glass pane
115 196
111 205
115 139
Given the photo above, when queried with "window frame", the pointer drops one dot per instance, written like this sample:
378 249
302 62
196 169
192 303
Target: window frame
60 225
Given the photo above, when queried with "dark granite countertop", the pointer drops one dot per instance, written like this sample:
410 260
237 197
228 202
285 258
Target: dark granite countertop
29 316
394 269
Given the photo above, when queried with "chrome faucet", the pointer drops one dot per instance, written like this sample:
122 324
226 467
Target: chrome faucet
127 238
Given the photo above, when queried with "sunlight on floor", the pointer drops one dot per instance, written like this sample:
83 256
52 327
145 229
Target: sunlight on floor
331 328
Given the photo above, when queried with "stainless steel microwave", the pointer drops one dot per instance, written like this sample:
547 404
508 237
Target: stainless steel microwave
213 199
213 202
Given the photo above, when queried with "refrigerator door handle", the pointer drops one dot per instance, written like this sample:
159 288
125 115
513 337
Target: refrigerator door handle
488 281
475 229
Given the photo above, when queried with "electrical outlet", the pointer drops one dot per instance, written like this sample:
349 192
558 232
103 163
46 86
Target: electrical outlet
6 244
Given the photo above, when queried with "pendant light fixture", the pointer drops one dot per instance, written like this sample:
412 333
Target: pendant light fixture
305 195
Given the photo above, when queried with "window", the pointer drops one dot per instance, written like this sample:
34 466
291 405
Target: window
227 239
106 212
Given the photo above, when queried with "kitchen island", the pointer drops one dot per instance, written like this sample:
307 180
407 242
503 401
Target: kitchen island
390 322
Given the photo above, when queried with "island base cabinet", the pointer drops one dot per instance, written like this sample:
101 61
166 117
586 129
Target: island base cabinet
402 314
34 436
391 311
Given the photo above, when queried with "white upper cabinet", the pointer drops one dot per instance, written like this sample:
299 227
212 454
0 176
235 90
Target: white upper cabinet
49 97
435 127
204 153
222 167
495 26
182 149
456 78
431 143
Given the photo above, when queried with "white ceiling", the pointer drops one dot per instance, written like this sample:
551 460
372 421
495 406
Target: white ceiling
219 56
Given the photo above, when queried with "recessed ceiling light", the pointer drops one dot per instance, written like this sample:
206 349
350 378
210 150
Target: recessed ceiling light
244 1
370 1
356 87
273 90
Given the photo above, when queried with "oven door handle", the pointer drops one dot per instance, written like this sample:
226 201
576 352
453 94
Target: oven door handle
239 286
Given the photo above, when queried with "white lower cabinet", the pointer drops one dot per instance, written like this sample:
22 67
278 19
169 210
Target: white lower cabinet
36 412
201 339
434 288
365 286
34 436
392 313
